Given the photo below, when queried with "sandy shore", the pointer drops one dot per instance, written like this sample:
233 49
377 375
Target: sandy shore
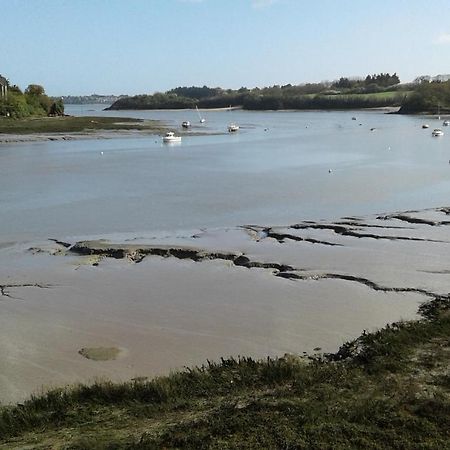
127 306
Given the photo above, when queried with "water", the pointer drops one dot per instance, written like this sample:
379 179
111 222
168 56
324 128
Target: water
275 170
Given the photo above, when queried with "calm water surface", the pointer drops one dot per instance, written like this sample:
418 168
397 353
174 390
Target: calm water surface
275 170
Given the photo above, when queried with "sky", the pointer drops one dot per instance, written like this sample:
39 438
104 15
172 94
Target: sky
80 47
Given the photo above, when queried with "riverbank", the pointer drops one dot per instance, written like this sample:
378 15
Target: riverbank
70 127
384 389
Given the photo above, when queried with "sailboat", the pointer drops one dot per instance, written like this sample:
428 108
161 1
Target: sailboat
202 120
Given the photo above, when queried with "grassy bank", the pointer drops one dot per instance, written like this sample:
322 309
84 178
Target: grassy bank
385 390
69 124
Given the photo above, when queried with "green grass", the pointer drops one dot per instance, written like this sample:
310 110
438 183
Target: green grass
70 124
385 390
390 95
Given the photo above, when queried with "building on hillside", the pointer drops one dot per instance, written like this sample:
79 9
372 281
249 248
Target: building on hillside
3 86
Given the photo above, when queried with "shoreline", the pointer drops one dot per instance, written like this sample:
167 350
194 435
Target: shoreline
251 290
94 135
240 108
43 137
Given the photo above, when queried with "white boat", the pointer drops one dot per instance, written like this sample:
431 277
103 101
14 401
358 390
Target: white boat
186 124
200 118
233 127
437 132
170 137
446 123
425 125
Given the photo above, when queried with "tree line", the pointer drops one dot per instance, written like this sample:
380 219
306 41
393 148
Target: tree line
325 95
31 102
432 97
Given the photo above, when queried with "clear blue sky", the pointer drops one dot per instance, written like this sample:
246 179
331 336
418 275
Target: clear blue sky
142 46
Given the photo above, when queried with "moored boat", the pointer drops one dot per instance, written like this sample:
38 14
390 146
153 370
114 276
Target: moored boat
233 127
425 125
446 123
437 132
170 137
201 119
186 124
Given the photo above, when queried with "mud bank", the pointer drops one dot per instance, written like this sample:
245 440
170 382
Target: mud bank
177 301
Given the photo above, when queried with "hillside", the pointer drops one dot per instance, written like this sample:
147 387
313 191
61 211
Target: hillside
373 91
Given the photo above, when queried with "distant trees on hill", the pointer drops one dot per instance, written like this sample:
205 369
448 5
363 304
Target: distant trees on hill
340 94
89 99
429 97
373 82
195 92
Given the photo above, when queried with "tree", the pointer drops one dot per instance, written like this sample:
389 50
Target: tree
57 108
34 89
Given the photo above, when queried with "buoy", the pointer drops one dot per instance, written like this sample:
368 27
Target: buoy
329 171
101 153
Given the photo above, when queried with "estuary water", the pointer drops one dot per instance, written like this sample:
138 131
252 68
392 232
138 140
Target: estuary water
280 168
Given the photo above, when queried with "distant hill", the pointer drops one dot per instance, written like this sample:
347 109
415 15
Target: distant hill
429 97
93 98
374 91
436 78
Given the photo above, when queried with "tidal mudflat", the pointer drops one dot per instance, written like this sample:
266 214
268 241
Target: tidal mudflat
162 303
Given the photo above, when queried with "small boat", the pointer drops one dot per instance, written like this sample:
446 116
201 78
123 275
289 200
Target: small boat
170 137
186 124
233 127
425 125
446 123
353 118
201 119
437 132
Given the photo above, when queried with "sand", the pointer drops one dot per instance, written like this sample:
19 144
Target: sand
143 306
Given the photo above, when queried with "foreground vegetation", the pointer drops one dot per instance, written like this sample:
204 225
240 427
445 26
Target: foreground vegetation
385 390
69 124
